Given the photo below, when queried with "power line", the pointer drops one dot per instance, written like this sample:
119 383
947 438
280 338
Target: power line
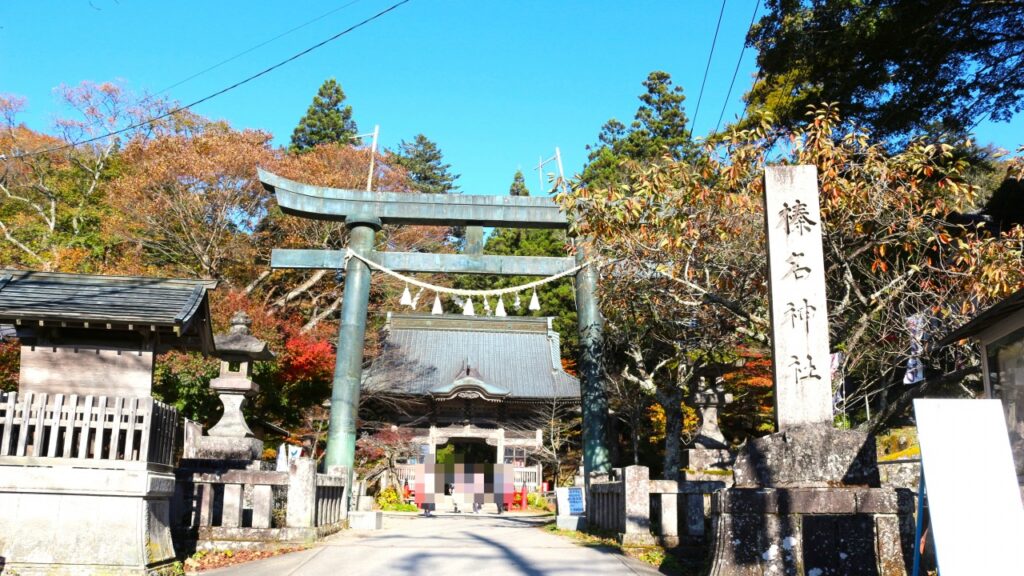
258 46
706 69
211 96
757 6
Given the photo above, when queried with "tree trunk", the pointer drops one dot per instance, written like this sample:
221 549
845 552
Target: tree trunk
634 437
671 402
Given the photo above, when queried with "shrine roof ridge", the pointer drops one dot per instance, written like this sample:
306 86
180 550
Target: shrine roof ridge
458 322
326 203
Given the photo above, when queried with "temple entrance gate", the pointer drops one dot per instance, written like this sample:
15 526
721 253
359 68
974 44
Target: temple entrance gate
364 213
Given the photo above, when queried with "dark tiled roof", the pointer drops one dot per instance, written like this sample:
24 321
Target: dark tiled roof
424 354
82 300
986 319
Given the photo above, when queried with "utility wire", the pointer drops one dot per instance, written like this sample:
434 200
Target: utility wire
757 6
706 69
258 46
211 96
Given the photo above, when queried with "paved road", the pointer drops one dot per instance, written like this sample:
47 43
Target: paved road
484 545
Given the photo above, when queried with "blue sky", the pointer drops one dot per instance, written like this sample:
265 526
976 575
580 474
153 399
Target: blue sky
497 84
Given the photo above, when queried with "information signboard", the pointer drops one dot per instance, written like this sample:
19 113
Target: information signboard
571 501
973 497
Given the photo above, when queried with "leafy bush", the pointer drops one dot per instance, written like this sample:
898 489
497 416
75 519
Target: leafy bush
537 501
389 500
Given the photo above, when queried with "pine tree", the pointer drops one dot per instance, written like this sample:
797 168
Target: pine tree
658 129
326 120
518 187
557 299
423 160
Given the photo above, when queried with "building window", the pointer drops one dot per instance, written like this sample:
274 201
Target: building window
1006 375
515 456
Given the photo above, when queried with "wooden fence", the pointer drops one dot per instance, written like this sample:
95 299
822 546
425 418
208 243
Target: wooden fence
97 430
606 508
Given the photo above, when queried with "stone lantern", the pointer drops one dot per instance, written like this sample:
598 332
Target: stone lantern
231 438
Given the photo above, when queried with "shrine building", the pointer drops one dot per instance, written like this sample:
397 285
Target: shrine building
480 387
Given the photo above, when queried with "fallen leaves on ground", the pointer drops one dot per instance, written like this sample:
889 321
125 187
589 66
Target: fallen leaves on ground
204 560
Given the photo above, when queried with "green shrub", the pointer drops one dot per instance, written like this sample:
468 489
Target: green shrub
537 500
389 500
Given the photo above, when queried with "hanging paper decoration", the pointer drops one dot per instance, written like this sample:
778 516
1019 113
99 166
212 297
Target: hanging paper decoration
467 308
517 304
416 299
500 310
406 299
437 310
534 301
487 307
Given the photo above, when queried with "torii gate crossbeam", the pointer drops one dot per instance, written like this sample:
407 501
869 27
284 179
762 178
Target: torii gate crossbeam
364 213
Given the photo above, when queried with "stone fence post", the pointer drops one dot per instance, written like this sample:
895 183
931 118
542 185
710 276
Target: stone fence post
636 492
301 493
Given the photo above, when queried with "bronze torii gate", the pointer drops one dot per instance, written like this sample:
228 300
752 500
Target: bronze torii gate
364 213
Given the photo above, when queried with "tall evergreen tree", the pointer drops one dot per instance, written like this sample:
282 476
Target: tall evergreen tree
326 120
897 66
423 160
518 187
659 128
557 299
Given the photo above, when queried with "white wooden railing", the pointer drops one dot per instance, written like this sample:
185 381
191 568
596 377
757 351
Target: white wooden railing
98 430
529 475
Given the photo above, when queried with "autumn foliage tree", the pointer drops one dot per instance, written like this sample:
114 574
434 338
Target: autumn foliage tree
684 285
188 200
53 196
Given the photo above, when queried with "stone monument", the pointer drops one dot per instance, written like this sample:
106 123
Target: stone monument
806 500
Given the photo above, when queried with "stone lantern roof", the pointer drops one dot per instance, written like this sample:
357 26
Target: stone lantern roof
239 344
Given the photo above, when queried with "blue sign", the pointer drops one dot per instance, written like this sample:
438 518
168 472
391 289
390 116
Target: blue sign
575 501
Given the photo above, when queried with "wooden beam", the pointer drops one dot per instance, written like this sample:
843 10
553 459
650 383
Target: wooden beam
410 262
322 203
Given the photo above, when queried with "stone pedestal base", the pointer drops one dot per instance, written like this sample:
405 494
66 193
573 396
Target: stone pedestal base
807 531
229 449
572 523
358 520
637 540
806 502
62 521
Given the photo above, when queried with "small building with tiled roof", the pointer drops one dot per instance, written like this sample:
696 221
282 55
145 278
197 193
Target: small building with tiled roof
88 334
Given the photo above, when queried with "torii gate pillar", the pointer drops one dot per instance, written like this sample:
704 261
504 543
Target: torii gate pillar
348 364
591 358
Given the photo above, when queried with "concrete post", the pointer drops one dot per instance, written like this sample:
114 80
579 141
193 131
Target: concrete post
595 403
231 514
262 506
636 489
670 517
301 493
348 365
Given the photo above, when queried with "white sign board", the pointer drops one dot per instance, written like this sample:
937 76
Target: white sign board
571 501
796 279
976 514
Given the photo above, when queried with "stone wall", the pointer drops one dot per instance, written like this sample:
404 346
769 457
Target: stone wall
62 521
